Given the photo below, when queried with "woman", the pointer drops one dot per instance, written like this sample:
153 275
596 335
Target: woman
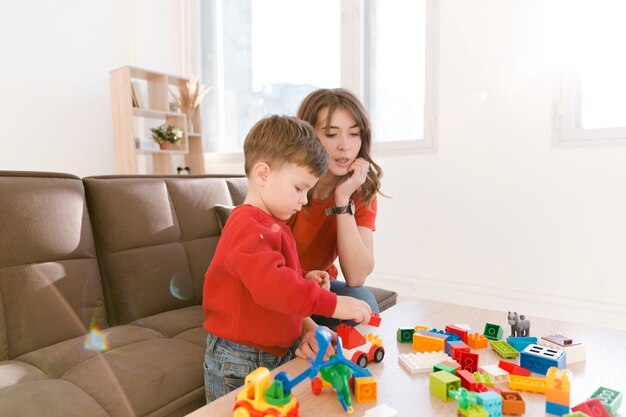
339 220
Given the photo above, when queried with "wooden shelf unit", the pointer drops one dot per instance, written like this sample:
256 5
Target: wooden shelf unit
157 106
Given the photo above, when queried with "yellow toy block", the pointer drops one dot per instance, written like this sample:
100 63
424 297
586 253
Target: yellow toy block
558 385
527 383
418 328
424 343
365 389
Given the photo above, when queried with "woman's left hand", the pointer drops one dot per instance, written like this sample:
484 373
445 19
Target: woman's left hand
357 175
308 345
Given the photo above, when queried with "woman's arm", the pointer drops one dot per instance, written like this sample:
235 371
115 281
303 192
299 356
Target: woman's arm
355 249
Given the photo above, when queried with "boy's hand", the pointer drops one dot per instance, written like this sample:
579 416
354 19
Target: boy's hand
349 308
321 277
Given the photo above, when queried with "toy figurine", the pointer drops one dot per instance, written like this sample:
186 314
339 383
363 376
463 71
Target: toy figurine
520 327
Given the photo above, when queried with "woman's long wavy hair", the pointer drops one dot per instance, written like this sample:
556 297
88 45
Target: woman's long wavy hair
332 99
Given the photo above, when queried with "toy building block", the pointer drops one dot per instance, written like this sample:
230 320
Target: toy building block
476 340
381 410
424 342
467 379
520 327
365 389
493 331
491 402
513 369
472 411
444 334
503 349
451 363
483 379
520 343
441 382
558 387
593 408
497 374
513 403
450 343
418 363
358 348
576 414
457 349
574 351
468 361
480 387
418 328
405 335
462 333
527 383
556 409
539 358
442 367
374 320
611 399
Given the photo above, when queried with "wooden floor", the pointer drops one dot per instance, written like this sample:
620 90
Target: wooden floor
409 394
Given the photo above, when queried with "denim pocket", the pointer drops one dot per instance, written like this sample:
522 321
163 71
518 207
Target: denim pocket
234 371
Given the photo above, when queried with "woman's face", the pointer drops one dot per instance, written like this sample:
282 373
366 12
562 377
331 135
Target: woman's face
343 141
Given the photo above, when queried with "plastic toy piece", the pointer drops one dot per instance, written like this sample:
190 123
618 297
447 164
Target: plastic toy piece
503 349
520 343
480 387
513 403
424 342
381 410
418 363
520 327
513 369
593 408
468 361
476 341
253 398
442 367
491 402
441 382
464 398
483 379
405 335
365 389
540 358
462 333
473 411
467 379
574 351
451 363
497 374
360 349
576 414
418 328
450 343
374 320
526 383
493 331
556 409
558 387
611 399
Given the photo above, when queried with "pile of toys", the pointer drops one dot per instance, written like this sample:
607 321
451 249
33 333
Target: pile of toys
456 374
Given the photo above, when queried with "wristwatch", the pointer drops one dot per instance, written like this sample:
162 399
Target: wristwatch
349 209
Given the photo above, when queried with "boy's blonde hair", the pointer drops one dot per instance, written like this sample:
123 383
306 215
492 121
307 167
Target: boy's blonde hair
276 140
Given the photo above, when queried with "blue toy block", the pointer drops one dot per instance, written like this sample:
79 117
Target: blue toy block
540 358
492 403
556 409
520 343
452 342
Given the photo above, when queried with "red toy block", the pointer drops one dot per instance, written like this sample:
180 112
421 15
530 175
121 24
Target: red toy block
593 408
477 340
462 333
480 387
350 337
374 320
458 348
513 369
468 361
467 379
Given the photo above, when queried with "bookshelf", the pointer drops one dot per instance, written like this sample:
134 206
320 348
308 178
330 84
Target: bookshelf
140 100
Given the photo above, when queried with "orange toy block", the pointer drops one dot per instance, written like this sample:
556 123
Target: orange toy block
512 403
424 343
365 389
477 340
558 385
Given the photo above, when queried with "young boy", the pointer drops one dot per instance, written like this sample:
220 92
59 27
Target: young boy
256 298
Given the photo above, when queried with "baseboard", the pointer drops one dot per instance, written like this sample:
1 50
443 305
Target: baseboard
524 302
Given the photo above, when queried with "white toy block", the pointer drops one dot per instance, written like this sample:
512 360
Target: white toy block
421 362
381 410
574 351
498 375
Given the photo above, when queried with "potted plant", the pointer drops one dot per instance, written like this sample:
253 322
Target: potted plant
167 136
190 97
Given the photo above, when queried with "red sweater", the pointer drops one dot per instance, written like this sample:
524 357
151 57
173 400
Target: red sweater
254 292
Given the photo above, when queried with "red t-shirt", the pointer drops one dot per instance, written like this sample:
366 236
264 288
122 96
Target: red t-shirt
254 292
316 233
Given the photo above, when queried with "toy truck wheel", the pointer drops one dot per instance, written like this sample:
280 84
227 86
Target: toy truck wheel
362 360
241 411
316 385
379 354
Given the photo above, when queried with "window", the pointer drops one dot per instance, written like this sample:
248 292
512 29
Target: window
591 85
264 56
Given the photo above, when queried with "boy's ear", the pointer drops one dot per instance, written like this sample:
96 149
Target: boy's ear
260 172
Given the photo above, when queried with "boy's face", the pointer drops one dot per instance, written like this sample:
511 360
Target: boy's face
285 190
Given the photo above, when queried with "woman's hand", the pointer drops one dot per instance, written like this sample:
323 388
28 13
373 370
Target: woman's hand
321 277
357 175
308 343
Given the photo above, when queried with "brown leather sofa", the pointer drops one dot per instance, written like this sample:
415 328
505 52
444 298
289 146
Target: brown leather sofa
100 292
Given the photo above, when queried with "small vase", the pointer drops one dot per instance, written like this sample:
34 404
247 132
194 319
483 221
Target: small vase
167 146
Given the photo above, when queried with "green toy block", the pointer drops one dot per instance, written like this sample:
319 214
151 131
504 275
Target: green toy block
442 367
611 399
472 411
483 379
503 349
405 335
493 331
441 382
576 414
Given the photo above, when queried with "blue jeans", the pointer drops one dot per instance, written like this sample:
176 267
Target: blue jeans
226 365
341 288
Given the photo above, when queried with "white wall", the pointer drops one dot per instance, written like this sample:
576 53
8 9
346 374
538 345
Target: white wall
55 105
